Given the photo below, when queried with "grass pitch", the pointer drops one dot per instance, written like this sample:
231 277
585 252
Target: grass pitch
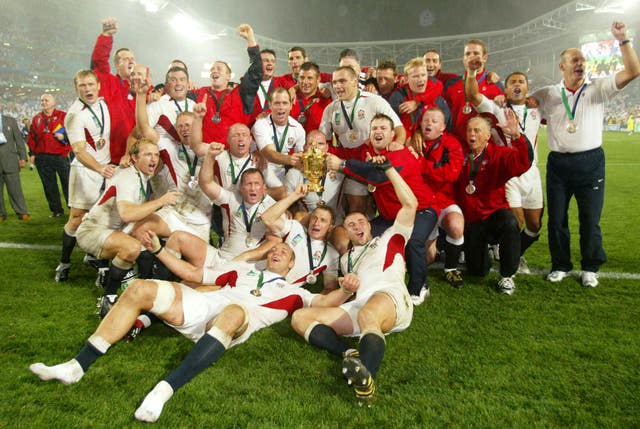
549 356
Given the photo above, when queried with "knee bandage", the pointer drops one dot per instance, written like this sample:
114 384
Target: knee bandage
165 296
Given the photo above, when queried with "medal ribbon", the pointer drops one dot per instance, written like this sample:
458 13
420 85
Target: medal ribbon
352 265
261 281
473 166
267 97
147 193
192 168
186 106
571 112
305 108
234 178
100 124
217 103
522 124
279 145
324 252
347 117
248 223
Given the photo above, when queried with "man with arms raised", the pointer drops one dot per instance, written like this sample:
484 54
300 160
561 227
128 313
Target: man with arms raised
574 110
381 305
215 320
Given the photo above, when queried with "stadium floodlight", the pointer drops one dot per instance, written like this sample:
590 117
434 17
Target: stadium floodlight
154 6
189 27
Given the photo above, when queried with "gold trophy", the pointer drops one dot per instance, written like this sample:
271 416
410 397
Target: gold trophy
314 167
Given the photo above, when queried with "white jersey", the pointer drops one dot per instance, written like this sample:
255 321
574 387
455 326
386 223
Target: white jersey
360 111
127 184
242 225
287 138
589 114
91 124
228 169
528 121
379 264
331 195
323 256
163 114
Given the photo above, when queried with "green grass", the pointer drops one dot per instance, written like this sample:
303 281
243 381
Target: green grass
548 356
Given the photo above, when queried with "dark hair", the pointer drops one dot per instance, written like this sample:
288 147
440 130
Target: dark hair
382 116
248 171
310 65
298 48
349 53
388 64
268 51
174 70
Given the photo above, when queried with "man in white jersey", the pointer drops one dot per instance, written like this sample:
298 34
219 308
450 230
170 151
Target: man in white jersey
314 255
382 303
215 320
104 231
574 110
243 228
524 193
332 181
348 118
88 127
277 135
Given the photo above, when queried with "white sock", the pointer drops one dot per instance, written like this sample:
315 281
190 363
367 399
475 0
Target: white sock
67 373
151 407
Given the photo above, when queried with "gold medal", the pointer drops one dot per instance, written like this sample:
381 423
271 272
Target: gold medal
250 242
302 119
311 279
353 135
371 188
101 143
466 109
571 127
256 292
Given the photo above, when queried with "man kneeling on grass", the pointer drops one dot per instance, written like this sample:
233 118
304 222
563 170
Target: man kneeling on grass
215 320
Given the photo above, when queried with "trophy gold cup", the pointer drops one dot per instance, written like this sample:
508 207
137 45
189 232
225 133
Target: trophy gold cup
314 167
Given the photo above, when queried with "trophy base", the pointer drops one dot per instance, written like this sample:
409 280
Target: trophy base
315 187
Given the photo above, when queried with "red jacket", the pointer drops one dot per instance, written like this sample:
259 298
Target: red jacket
41 134
429 98
386 199
313 114
115 90
455 97
498 165
440 164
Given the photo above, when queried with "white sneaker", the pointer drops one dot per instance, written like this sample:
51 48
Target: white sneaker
589 279
523 267
506 285
419 299
556 276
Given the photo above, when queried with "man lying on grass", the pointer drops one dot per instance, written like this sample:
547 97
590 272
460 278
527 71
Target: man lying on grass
246 301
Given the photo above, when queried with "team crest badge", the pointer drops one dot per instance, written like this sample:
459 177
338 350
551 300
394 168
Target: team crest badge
361 114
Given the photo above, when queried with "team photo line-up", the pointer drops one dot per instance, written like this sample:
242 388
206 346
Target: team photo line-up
328 194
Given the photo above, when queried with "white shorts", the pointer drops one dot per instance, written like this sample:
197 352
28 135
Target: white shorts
84 187
353 187
176 222
526 190
200 308
91 237
453 208
400 297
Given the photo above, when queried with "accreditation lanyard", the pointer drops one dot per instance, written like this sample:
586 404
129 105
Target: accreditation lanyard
95 117
571 113
186 106
433 146
267 97
351 265
303 109
474 165
483 76
324 252
234 178
147 192
248 223
190 166
347 117
279 144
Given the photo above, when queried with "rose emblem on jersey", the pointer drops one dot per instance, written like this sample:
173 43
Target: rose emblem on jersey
361 114
289 141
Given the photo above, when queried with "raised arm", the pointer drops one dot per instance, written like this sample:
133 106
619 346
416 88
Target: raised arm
103 46
471 89
251 80
406 215
198 147
629 56
209 186
272 217
142 117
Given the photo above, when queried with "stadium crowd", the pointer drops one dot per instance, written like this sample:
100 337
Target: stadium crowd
339 181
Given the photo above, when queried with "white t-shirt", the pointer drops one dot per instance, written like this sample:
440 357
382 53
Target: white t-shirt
83 125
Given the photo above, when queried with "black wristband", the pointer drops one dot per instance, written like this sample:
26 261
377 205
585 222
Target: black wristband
624 42
384 166
159 250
